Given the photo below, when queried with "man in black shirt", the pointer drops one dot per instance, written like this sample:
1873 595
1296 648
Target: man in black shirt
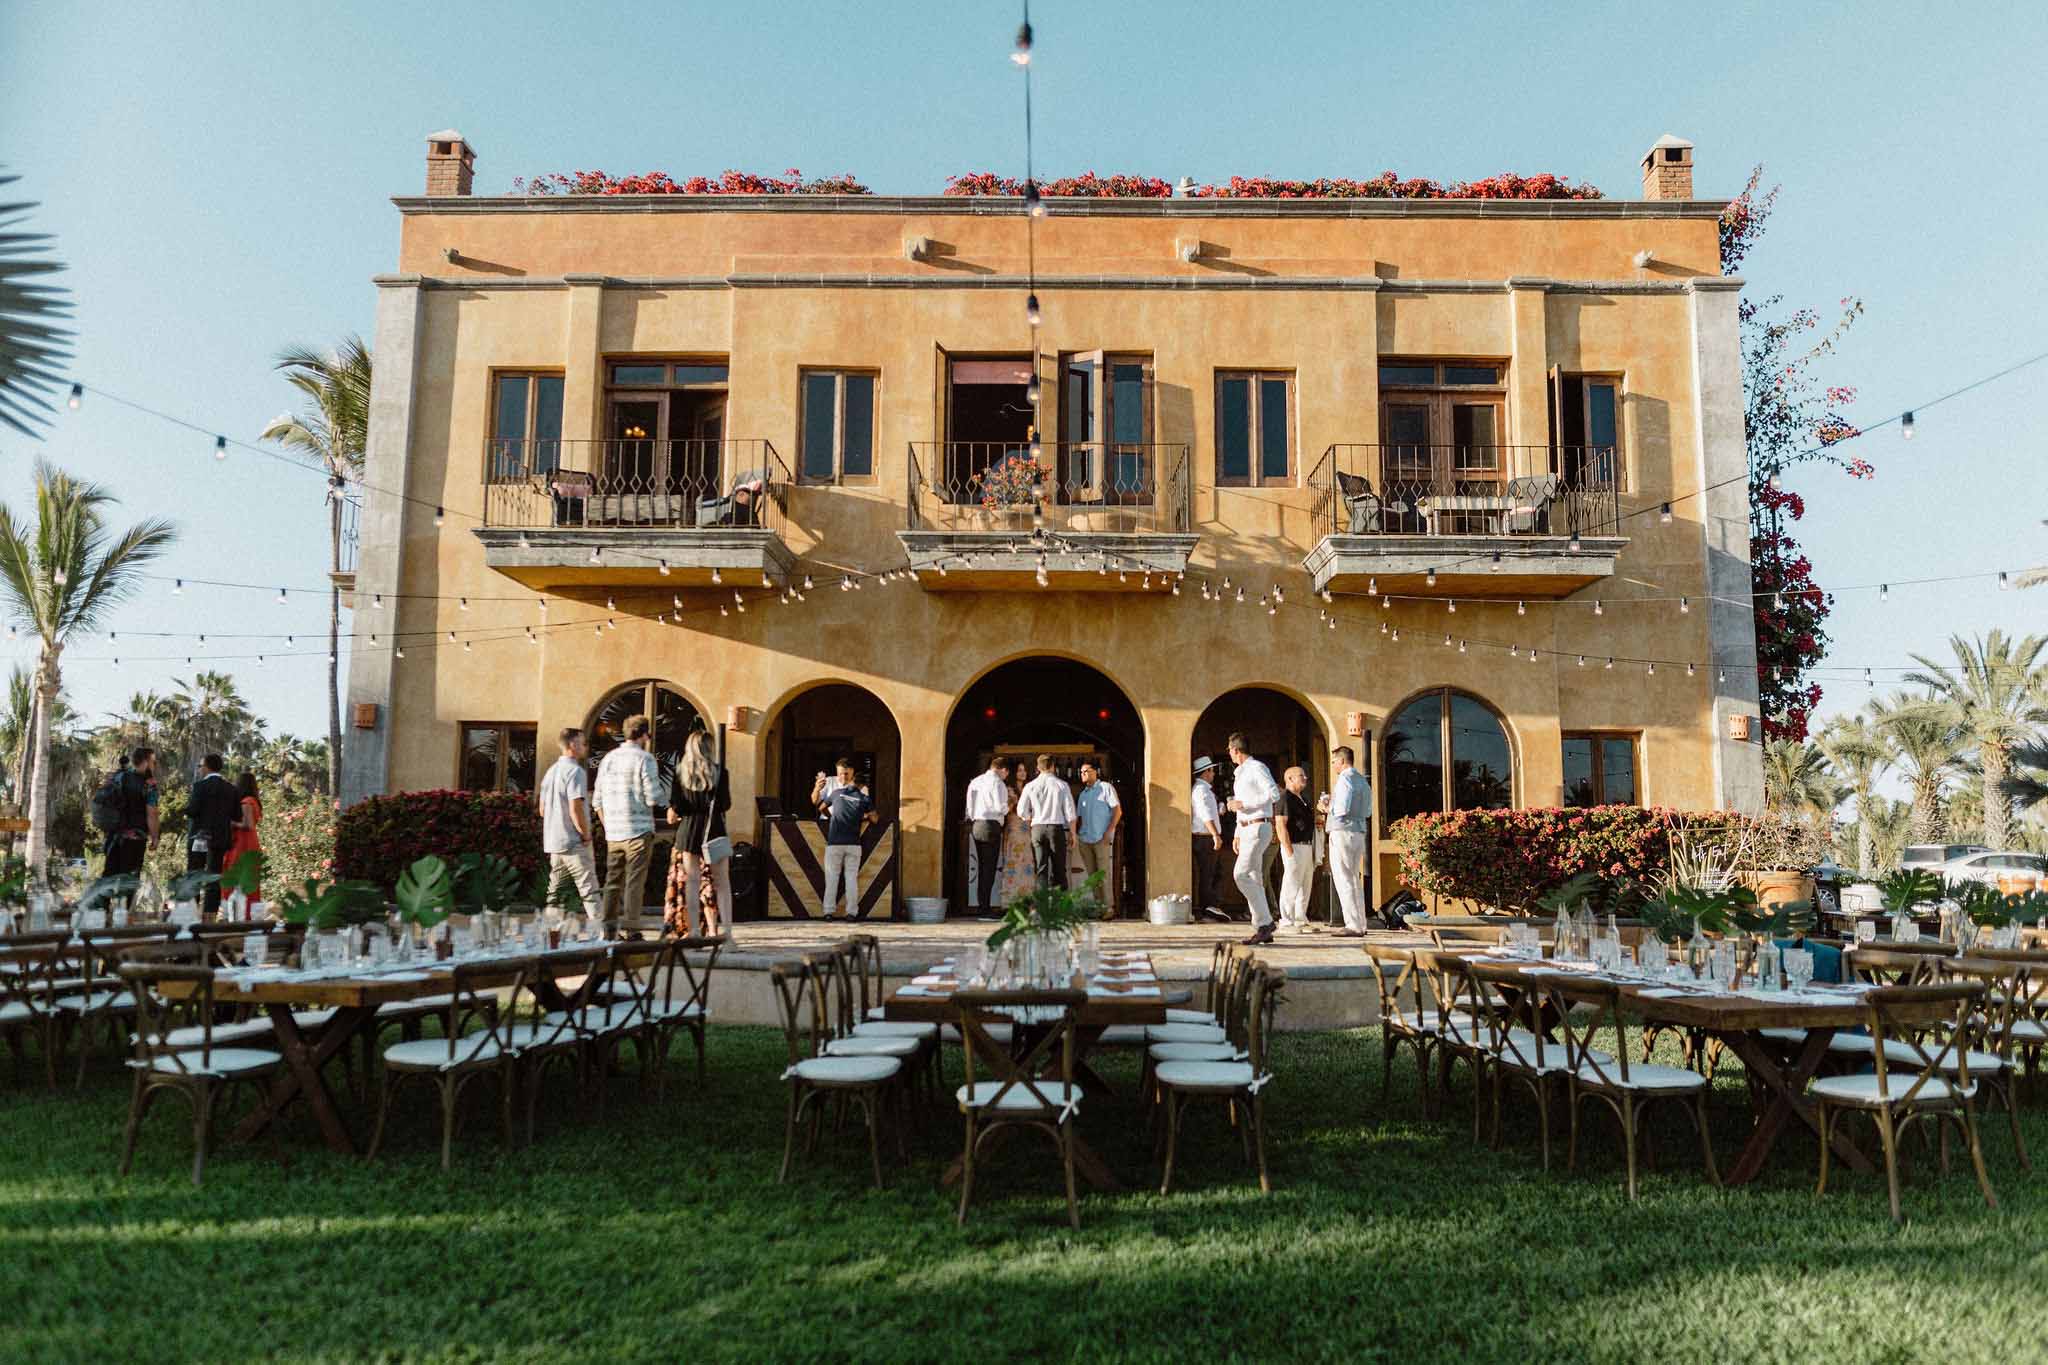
209 822
1297 830
135 790
848 810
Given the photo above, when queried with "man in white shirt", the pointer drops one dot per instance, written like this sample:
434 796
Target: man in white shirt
988 805
1254 794
1350 807
565 822
629 790
1208 833
1046 806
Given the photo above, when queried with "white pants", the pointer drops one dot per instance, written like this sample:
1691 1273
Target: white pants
1347 866
842 863
1254 842
1298 874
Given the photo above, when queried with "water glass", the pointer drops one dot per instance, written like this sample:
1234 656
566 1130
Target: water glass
465 941
309 952
1909 931
1798 968
1866 931
1651 955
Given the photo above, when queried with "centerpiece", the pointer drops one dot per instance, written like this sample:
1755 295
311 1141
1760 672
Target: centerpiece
1037 930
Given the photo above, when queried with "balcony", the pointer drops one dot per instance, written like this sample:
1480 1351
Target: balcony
1081 516
685 513
1481 521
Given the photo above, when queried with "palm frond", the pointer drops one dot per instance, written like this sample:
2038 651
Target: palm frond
31 343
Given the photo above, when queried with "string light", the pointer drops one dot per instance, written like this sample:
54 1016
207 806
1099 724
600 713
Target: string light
1397 635
1031 313
463 603
1022 56
609 604
1684 606
1429 577
1610 662
2003 581
1582 661
1240 597
77 397
1573 543
1598 610
1034 202
377 601
397 652
595 556
716 577
177 587
1496 561
440 514
1688 670
1452 603
220 447
1521 608
1905 425
662 564
1884 592
1664 515
1372 587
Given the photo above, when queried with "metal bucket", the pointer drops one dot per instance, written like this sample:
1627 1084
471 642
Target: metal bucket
1171 910
926 909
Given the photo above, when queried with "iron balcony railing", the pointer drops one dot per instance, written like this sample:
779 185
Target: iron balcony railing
1467 490
633 483
1118 487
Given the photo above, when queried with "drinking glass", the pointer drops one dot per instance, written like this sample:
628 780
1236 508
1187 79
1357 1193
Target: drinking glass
1866 931
465 941
309 952
1798 968
255 949
1909 931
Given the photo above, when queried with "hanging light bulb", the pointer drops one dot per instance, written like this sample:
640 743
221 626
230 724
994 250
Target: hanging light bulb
1868 680
77 397
1688 670
202 639
280 596
662 564
1447 639
1429 577
1532 654
1040 576
716 576
1664 515
1327 596
373 638
1496 561
1778 600
177 587
1514 652
1240 597
259 661
596 556
1121 579
941 568
724 610
397 652
1176 587
1521 608
465 648
1032 390
1452 603
1610 662
451 637
1582 661
609 604
1146 586
60 575
1685 606
1279 594
525 541
1724 675
1905 424
1461 646
1031 312
1034 202
1383 627
1333 623
1775 482
1884 592
2003 581
1397 635
808 585
610 624
440 514
289 642
1205 590
1022 56
597 631
220 447
1272 608
1573 543
463 603
845 583
531 638
675 599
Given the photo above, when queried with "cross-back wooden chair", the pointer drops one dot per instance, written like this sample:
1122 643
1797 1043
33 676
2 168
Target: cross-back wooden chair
102 1002
1460 1034
814 1078
1927 1077
1226 1041
1239 1083
174 1047
1034 1089
1212 1011
855 998
1227 964
623 1014
572 982
1509 1004
454 1060
1906 965
1629 1090
867 963
1989 1052
1413 1025
2028 986
28 984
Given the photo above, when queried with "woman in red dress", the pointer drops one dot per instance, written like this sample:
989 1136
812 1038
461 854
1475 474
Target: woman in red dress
245 838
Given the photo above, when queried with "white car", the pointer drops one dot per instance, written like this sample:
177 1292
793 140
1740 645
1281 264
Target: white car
1988 866
1932 857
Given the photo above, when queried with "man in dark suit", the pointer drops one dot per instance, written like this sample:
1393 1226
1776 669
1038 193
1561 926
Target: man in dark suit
209 824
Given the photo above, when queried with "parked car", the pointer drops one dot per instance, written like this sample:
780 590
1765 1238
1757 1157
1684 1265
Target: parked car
1931 857
1988 866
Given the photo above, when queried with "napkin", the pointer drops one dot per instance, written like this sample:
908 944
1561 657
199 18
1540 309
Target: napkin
920 990
930 979
1663 993
1116 989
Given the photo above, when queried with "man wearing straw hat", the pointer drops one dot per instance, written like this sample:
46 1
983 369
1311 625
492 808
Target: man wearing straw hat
1208 836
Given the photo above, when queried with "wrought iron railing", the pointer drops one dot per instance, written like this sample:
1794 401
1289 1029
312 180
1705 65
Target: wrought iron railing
1485 490
633 483
1072 486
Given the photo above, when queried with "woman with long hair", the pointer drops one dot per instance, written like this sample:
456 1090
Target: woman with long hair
1015 879
245 838
697 809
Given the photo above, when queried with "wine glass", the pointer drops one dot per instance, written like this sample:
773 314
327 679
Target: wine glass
1798 964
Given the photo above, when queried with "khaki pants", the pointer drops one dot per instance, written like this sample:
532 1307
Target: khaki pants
1101 857
578 867
842 869
625 880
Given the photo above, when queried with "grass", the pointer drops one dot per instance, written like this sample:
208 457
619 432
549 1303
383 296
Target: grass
660 1234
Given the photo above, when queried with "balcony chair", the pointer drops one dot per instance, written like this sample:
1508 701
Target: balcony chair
740 505
572 490
1530 499
1363 503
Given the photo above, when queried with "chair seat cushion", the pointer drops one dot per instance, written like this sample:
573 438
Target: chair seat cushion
426 1004
1204 1075
309 1019
1988 1063
1794 1036
18 1011
951 1032
194 1035
895 1028
620 1014
224 1061
1643 1076
1184 1033
871 1047
98 1002
673 1011
544 1032
1181 1016
1862 1045
1124 1035
426 1054
1862 1091
1193 1052
2029 1031
982 1093
846 1070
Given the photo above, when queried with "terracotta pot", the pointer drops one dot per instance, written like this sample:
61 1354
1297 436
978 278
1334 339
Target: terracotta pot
1777 888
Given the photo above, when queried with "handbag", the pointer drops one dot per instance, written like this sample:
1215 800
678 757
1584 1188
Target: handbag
717 848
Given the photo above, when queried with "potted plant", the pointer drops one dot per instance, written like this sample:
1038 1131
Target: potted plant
1048 913
1781 856
1905 891
486 885
1009 485
340 906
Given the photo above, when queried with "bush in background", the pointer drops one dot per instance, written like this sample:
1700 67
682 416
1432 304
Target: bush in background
380 836
297 834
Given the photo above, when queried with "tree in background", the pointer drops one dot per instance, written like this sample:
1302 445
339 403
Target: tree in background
1797 782
62 573
1790 417
333 429
209 716
1996 698
31 342
1857 754
1922 742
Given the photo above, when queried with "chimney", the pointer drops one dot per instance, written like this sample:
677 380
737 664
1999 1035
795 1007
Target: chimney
451 164
1667 169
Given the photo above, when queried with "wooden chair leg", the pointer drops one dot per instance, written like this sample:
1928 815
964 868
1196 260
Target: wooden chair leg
1889 1138
138 1105
1542 1088
202 1120
870 1107
2012 1114
789 1133
1173 1117
1826 1142
447 1088
1706 1139
384 1090
1628 1140
1977 1153
1259 1127
1571 1151
1067 1159
966 1172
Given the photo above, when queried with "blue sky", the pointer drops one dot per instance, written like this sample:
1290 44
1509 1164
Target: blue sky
218 178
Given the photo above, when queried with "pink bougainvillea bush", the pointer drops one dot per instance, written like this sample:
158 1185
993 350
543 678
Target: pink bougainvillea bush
659 182
380 836
1087 185
1387 185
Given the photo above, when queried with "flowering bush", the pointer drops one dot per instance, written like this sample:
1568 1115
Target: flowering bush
659 182
297 835
380 836
1087 185
1011 483
1505 859
1789 610
1386 185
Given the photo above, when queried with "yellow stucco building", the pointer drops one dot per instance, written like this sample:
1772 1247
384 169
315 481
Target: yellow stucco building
1402 475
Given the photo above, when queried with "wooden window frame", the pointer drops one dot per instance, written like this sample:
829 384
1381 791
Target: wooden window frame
503 727
526 440
1583 380
664 442
1441 399
840 374
1598 739
1255 455
1091 486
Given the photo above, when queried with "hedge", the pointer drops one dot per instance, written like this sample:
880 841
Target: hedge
379 836
1505 859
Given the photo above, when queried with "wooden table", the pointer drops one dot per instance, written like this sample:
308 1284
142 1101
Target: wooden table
1739 1021
1100 1013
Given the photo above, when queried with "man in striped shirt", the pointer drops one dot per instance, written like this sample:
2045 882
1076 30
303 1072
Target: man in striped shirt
629 791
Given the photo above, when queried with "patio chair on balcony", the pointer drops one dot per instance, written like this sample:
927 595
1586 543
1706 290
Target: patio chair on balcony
740 505
1529 502
1363 503
572 489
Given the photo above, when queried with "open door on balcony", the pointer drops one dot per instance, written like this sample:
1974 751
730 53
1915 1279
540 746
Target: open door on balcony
1105 428
988 419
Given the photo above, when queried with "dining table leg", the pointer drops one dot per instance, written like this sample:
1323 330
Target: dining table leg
1783 1098
305 1057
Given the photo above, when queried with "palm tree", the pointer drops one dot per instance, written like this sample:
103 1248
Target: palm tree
1882 824
1858 753
1994 696
63 574
1797 780
31 342
213 718
335 430
2031 578
1923 743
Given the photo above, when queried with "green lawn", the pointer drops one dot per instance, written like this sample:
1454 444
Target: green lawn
660 1234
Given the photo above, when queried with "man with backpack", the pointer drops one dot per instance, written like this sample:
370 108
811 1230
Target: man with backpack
124 809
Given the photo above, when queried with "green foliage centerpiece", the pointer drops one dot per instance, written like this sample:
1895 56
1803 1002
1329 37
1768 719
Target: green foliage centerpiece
1050 911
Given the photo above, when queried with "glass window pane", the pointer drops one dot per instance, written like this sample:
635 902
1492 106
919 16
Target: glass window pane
700 374
1482 774
1273 461
639 374
1471 374
821 397
1127 402
479 757
857 440
1413 760
1600 414
547 422
1396 374
1234 429
674 718
1473 434
1618 772
1578 772
520 752
508 416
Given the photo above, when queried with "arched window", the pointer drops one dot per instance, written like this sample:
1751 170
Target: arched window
666 709
1446 750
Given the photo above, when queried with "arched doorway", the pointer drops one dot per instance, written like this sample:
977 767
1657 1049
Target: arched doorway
1281 733
807 736
672 716
1046 705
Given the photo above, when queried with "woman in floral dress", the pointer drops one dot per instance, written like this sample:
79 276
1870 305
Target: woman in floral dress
1015 878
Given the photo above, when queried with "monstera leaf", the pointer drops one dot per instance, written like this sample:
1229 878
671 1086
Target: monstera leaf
426 892
341 905
246 876
485 881
1904 889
